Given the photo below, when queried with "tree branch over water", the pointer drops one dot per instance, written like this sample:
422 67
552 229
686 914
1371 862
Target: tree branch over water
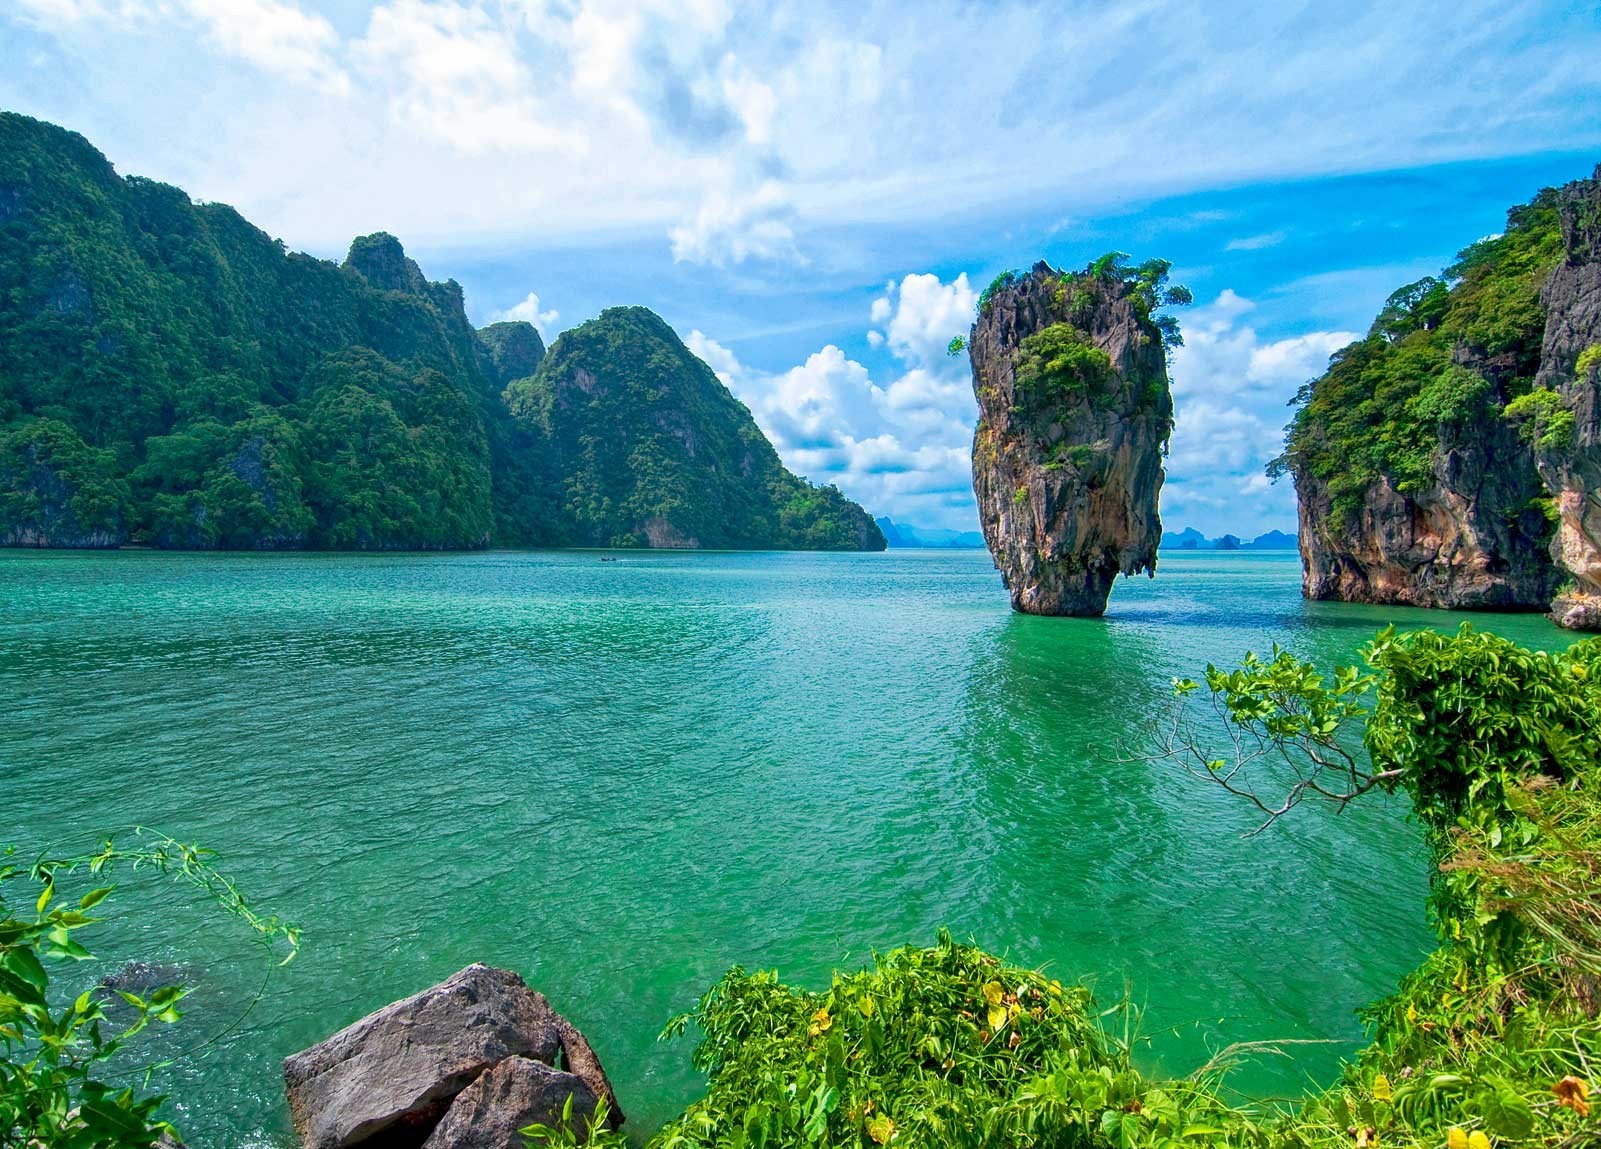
1279 733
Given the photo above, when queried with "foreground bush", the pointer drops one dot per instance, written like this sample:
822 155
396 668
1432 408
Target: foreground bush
940 1046
1493 1041
58 1046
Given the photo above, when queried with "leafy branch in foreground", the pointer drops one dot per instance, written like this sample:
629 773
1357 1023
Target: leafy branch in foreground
1287 730
55 1053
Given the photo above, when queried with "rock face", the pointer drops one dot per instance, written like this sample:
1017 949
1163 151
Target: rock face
1470 541
1570 456
1074 413
398 1076
516 1093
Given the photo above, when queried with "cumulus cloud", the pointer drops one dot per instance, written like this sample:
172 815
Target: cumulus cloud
731 229
528 312
1231 392
899 447
923 314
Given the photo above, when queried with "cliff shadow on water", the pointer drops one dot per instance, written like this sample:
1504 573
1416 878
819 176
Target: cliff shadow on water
1150 866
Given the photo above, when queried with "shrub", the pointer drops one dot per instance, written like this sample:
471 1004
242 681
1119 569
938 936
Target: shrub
1544 419
56 1048
1058 364
943 1046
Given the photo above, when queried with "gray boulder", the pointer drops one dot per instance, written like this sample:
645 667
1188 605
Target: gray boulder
397 1072
516 1093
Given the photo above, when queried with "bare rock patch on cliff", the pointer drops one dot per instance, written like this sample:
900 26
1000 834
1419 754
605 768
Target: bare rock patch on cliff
1564 410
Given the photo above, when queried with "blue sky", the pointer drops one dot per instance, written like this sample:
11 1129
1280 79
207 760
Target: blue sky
813 193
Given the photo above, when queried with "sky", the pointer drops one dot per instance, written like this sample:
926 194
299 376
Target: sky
814 193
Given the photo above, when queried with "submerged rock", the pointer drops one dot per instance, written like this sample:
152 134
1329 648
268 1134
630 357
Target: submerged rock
1569 445
397 1074
142 976
1074 413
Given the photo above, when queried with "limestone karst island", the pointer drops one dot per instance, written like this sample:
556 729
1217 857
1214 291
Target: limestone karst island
728 574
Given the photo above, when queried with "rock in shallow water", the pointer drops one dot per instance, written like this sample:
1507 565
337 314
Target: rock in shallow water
1074 415
395 1075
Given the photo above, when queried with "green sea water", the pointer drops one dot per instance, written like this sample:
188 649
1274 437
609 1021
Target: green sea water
622 778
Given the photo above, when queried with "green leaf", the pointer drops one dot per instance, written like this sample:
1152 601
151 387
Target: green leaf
1506 1112
22 976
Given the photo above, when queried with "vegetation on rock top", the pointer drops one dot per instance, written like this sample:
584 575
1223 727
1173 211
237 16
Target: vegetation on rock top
1446 351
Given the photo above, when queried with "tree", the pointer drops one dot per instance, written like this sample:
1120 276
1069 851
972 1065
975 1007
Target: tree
1458 720
1419 305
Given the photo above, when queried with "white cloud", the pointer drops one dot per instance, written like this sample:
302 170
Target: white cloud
528 312
927 313
901 448
280 38
1231 393
453 73
1255 242
742 131
731 229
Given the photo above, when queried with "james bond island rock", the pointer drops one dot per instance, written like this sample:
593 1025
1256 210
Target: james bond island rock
1562 415
1074 414
462 1065
655 451
171 375
1416 483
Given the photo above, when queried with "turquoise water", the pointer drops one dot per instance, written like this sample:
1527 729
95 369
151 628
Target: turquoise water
622 778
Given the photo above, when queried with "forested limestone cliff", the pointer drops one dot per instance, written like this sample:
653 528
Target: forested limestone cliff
171 375
653 450
1563 412
1415 475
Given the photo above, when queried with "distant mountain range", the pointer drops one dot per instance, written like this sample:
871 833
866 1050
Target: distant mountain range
1190 539
905 536
173 376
